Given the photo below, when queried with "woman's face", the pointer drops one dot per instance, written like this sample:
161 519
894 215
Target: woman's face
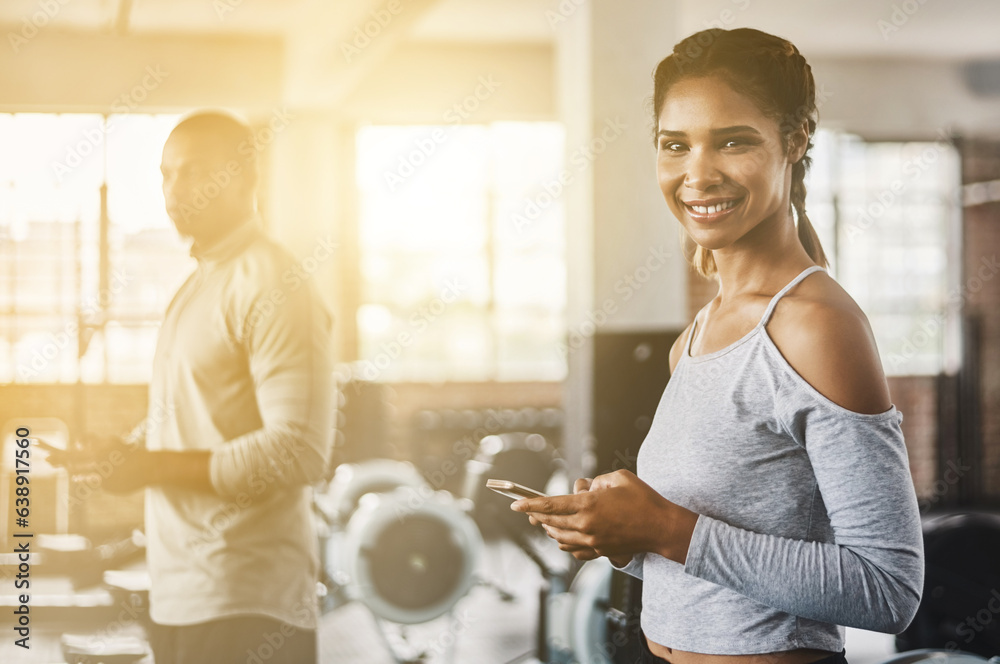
720 162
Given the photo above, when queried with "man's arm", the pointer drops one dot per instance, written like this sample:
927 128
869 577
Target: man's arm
122 467
290 365
188 468
291 370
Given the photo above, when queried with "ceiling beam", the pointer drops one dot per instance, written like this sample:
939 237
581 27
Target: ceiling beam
123 17
106 73
322 72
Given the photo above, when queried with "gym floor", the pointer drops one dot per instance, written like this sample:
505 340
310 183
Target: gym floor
485 627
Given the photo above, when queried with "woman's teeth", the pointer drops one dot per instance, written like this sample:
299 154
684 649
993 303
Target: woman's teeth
712 209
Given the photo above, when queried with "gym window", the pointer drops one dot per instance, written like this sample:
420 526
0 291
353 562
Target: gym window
462 252
77 303
887 215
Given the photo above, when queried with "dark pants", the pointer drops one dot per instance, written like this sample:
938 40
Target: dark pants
238 640
649 658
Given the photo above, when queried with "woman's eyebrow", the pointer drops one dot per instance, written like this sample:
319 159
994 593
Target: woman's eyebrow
737 129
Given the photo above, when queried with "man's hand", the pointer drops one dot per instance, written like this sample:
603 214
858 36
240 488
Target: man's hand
615 515
120 467
123 468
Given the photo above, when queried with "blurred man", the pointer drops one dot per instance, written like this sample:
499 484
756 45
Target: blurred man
241 390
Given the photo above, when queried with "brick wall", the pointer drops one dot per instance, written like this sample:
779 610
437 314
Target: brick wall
981 286
916 398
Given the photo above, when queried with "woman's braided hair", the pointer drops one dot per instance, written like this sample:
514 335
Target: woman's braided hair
771 72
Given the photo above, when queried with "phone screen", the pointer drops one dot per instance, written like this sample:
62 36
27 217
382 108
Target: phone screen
512 490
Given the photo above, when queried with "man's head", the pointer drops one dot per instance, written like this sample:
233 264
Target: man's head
209 168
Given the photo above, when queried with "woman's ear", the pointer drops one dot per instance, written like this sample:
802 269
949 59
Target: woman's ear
798 142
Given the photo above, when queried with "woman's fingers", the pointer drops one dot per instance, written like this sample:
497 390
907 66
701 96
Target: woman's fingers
566 521
616 478
567 537
580 552
569 504
581 485
585 554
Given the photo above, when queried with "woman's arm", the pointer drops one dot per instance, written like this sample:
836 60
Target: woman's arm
871 576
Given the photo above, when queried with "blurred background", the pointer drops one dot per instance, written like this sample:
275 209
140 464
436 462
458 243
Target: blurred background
470 186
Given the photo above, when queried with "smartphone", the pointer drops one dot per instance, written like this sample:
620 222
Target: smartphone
512 490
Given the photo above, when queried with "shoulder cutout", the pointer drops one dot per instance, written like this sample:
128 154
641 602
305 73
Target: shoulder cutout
826 338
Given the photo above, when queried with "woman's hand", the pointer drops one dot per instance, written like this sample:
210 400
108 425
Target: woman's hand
579 552
615 515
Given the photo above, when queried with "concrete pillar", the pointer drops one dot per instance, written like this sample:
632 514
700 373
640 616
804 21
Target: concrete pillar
626 271
306 199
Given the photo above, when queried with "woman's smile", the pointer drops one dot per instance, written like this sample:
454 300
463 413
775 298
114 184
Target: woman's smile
711 209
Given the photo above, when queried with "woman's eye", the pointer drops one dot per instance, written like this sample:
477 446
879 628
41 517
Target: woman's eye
671 146
739 143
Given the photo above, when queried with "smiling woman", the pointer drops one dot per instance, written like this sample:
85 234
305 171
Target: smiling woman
773 504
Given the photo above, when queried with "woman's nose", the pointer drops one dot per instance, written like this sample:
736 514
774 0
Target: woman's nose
702 171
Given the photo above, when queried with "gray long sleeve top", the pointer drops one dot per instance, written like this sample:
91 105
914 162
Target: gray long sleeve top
808 517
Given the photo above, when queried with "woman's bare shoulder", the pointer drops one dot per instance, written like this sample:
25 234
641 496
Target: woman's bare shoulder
826 338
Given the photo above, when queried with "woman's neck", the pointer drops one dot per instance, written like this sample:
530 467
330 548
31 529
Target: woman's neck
761 260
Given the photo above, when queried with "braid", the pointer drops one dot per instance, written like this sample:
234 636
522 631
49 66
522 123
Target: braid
807 234
798 193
